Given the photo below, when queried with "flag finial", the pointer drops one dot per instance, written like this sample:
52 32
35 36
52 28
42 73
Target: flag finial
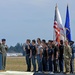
67 5
56 5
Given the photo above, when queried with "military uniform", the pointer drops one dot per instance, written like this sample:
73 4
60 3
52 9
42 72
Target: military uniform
67 57
72 59
3 49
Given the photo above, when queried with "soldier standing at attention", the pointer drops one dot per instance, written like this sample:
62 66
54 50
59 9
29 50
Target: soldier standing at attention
67 57
3 48
72 58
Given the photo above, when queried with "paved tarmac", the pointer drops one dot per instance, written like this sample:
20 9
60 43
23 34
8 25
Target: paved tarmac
52 74
28 73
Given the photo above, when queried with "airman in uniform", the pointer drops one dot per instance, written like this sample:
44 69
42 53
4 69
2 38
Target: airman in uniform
3 49
67 57
72 58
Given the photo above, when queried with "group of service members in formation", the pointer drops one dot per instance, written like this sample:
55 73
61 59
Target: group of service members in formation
50 56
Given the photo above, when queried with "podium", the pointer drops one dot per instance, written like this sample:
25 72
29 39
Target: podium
0 61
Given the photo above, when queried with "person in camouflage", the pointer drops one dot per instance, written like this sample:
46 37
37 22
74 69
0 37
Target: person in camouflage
72 58
67 57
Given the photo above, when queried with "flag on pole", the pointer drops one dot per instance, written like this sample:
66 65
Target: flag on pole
57 32
58 28
67 25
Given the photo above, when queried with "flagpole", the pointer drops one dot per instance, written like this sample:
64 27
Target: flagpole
53 27
53 35
67 25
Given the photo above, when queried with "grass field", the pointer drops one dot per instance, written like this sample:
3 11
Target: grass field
16 64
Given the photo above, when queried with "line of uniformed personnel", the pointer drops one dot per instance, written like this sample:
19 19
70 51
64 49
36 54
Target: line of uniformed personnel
50 56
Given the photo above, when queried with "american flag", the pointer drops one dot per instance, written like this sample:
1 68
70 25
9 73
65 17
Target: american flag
57 31
58 27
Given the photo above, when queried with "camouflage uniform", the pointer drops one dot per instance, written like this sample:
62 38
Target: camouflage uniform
67 57
3 49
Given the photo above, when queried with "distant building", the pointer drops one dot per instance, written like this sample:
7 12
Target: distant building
14 54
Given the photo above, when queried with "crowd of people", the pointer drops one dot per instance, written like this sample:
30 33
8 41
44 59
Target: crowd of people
50 56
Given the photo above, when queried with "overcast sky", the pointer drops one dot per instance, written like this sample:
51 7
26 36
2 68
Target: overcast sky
22 19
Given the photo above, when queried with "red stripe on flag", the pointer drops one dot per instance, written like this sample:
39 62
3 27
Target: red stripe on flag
57 32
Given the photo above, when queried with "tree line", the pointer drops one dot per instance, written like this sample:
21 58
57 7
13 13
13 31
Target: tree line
18 48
